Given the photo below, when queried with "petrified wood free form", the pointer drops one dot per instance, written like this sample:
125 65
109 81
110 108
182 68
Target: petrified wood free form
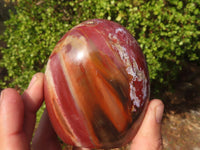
97 85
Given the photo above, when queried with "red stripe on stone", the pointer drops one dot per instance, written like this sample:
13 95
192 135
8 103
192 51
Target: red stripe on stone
53 114
67 103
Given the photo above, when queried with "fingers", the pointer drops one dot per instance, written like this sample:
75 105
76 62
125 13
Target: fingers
149 135
45 137
11 121
32 98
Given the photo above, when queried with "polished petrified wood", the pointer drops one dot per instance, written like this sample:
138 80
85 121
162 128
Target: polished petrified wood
96 85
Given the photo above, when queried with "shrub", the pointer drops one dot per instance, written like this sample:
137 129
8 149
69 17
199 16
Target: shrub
167 31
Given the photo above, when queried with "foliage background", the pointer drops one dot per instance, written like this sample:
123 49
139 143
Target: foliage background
167 31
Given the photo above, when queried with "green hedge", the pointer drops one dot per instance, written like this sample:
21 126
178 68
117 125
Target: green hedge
167 31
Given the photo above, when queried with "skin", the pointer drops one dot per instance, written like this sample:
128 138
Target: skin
18 117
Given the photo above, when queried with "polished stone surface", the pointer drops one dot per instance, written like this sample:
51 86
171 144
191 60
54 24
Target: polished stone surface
96 85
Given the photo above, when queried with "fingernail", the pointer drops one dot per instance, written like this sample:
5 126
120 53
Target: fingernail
159 113
1 97
32 81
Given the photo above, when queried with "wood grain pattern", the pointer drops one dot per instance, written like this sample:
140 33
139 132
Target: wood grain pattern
96 85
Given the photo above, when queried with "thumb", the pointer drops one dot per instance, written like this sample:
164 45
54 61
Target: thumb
149 135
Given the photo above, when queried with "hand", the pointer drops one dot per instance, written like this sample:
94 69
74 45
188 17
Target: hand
149 135
18 116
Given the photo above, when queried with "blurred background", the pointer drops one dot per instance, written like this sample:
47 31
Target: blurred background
168 32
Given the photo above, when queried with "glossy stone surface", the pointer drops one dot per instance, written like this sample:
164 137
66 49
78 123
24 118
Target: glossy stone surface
96 85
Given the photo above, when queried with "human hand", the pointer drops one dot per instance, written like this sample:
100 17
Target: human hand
18 116
149 135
